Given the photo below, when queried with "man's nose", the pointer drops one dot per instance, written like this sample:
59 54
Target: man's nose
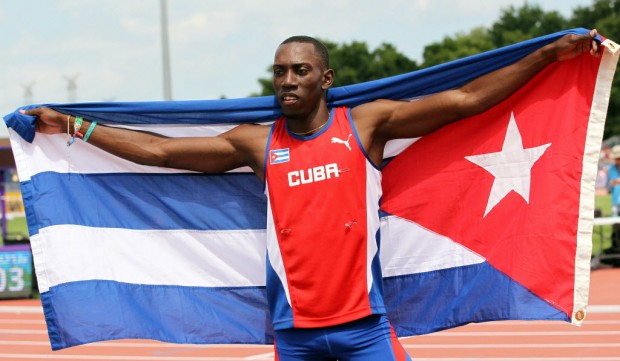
289 79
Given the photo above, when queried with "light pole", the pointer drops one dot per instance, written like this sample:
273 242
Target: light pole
165 50
28 93
72 88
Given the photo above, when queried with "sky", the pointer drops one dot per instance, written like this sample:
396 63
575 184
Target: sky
110 50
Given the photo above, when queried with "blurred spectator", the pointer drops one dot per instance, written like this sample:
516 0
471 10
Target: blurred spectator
604 160
613 180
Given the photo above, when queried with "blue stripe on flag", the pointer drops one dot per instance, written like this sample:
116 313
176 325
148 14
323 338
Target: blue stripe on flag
426 302
167 313
147 201
423 302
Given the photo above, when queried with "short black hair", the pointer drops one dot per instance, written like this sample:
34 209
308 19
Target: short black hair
320 48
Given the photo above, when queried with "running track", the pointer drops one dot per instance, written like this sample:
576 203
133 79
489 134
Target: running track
23 337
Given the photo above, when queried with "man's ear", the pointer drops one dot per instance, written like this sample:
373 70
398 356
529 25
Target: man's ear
328 79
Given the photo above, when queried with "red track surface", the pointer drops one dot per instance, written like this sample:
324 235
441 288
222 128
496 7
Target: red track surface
23 336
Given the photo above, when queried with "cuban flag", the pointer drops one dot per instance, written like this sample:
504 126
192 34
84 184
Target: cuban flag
279 156
489 218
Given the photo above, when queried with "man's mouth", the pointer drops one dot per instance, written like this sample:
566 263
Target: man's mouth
289 98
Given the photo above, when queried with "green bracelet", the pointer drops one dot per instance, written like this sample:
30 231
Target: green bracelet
77 124
89 131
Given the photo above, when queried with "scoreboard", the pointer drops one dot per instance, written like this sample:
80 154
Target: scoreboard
15 271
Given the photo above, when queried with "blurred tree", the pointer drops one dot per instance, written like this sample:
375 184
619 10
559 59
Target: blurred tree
603 16
530 21
523 23
514 25
461 45
355 63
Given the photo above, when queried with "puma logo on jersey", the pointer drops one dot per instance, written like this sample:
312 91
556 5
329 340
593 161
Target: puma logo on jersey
311 175
340 141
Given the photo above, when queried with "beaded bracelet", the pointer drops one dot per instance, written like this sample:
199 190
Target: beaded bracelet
77 125
69 138
76 129
89 131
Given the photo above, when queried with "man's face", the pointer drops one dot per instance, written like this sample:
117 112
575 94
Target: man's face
299 78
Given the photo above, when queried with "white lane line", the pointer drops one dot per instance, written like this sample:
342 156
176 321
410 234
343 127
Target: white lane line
155 344
22 332
21 309
264 356
520 333
176 358
518 345
123 358
521 359
22 322
604 309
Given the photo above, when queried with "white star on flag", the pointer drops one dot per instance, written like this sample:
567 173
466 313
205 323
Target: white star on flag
511 167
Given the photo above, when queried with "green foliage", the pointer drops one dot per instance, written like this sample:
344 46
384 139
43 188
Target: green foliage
355 63
515 25
527 22
603 16
461 45
530 21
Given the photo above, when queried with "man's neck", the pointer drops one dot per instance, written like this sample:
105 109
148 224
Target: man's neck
310 124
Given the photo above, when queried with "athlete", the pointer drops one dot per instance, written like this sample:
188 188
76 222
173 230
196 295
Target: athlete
321 170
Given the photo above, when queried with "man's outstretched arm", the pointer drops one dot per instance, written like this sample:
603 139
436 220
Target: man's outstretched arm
395 119
227 151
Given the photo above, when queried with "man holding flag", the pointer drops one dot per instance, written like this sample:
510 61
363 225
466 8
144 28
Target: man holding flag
321 169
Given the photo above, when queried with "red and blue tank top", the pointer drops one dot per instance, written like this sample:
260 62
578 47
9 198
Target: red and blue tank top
323 198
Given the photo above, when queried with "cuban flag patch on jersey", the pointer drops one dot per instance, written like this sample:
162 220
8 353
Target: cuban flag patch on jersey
279 156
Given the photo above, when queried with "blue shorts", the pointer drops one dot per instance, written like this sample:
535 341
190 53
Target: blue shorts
368 339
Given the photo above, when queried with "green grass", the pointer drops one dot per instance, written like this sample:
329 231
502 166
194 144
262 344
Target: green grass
16 228
604 204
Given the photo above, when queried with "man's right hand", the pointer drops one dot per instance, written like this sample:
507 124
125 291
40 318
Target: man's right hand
49 121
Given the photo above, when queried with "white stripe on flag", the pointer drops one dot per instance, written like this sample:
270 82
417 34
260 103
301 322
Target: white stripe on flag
185 258
429 252
49 153
598 113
